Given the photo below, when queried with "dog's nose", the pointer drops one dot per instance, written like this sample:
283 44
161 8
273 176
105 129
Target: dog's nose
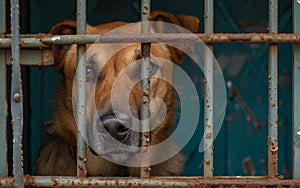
115 127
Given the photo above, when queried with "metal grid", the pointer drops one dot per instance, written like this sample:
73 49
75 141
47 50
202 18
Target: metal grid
42 41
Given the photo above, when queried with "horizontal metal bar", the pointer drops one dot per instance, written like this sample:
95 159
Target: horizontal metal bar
37 41
27 57
44 181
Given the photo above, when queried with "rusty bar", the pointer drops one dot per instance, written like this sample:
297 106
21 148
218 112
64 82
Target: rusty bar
81 95
208 91
16 97
296 94
3 116
272 96
145 88
217 182
3 97
43 40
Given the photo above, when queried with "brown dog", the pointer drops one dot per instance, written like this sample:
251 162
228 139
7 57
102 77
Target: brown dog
57 155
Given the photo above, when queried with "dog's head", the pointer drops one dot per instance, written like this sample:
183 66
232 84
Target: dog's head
113 87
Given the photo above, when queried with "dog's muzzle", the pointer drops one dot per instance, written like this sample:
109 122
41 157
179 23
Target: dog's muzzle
116 127
111 135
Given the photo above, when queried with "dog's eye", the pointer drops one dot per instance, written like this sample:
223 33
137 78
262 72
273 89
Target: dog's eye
90 73
152 68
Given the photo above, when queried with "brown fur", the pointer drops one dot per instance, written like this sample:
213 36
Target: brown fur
57 154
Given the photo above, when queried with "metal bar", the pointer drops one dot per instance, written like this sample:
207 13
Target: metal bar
296 94
16 97
2 16
217 182
273 103
208 91
3 97
145 88
81 95
27 57
42 41
3 116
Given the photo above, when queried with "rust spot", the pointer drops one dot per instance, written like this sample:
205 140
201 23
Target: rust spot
208 135
207 125
270 124
145 102
273 104
146 7
207 162
248 166
146 93
54 182
269 77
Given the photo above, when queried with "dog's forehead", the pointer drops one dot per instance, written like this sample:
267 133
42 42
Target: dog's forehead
122 53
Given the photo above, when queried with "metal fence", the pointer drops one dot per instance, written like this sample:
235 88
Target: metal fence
32 54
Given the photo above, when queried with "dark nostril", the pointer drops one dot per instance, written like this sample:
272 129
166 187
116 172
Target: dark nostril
115 127
122 129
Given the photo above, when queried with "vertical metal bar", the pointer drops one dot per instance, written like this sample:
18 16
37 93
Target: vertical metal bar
16 96
272 88
208 92
2 16
81 95
296 94
145 124
3 116
3 97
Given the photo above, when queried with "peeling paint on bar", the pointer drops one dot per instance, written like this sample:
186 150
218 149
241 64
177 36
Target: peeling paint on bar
43 40
208 91
216 182
145 90
16 102
273 94
81 95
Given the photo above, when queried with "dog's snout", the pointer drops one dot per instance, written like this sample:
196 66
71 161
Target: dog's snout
115 127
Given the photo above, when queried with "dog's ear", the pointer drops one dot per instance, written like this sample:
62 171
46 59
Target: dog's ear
66 27
191 23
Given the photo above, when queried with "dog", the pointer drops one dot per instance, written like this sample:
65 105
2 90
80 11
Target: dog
58 154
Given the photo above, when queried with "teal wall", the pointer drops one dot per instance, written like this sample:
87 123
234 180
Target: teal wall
246 65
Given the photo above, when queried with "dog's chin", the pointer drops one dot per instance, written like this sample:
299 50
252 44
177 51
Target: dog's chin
120 156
